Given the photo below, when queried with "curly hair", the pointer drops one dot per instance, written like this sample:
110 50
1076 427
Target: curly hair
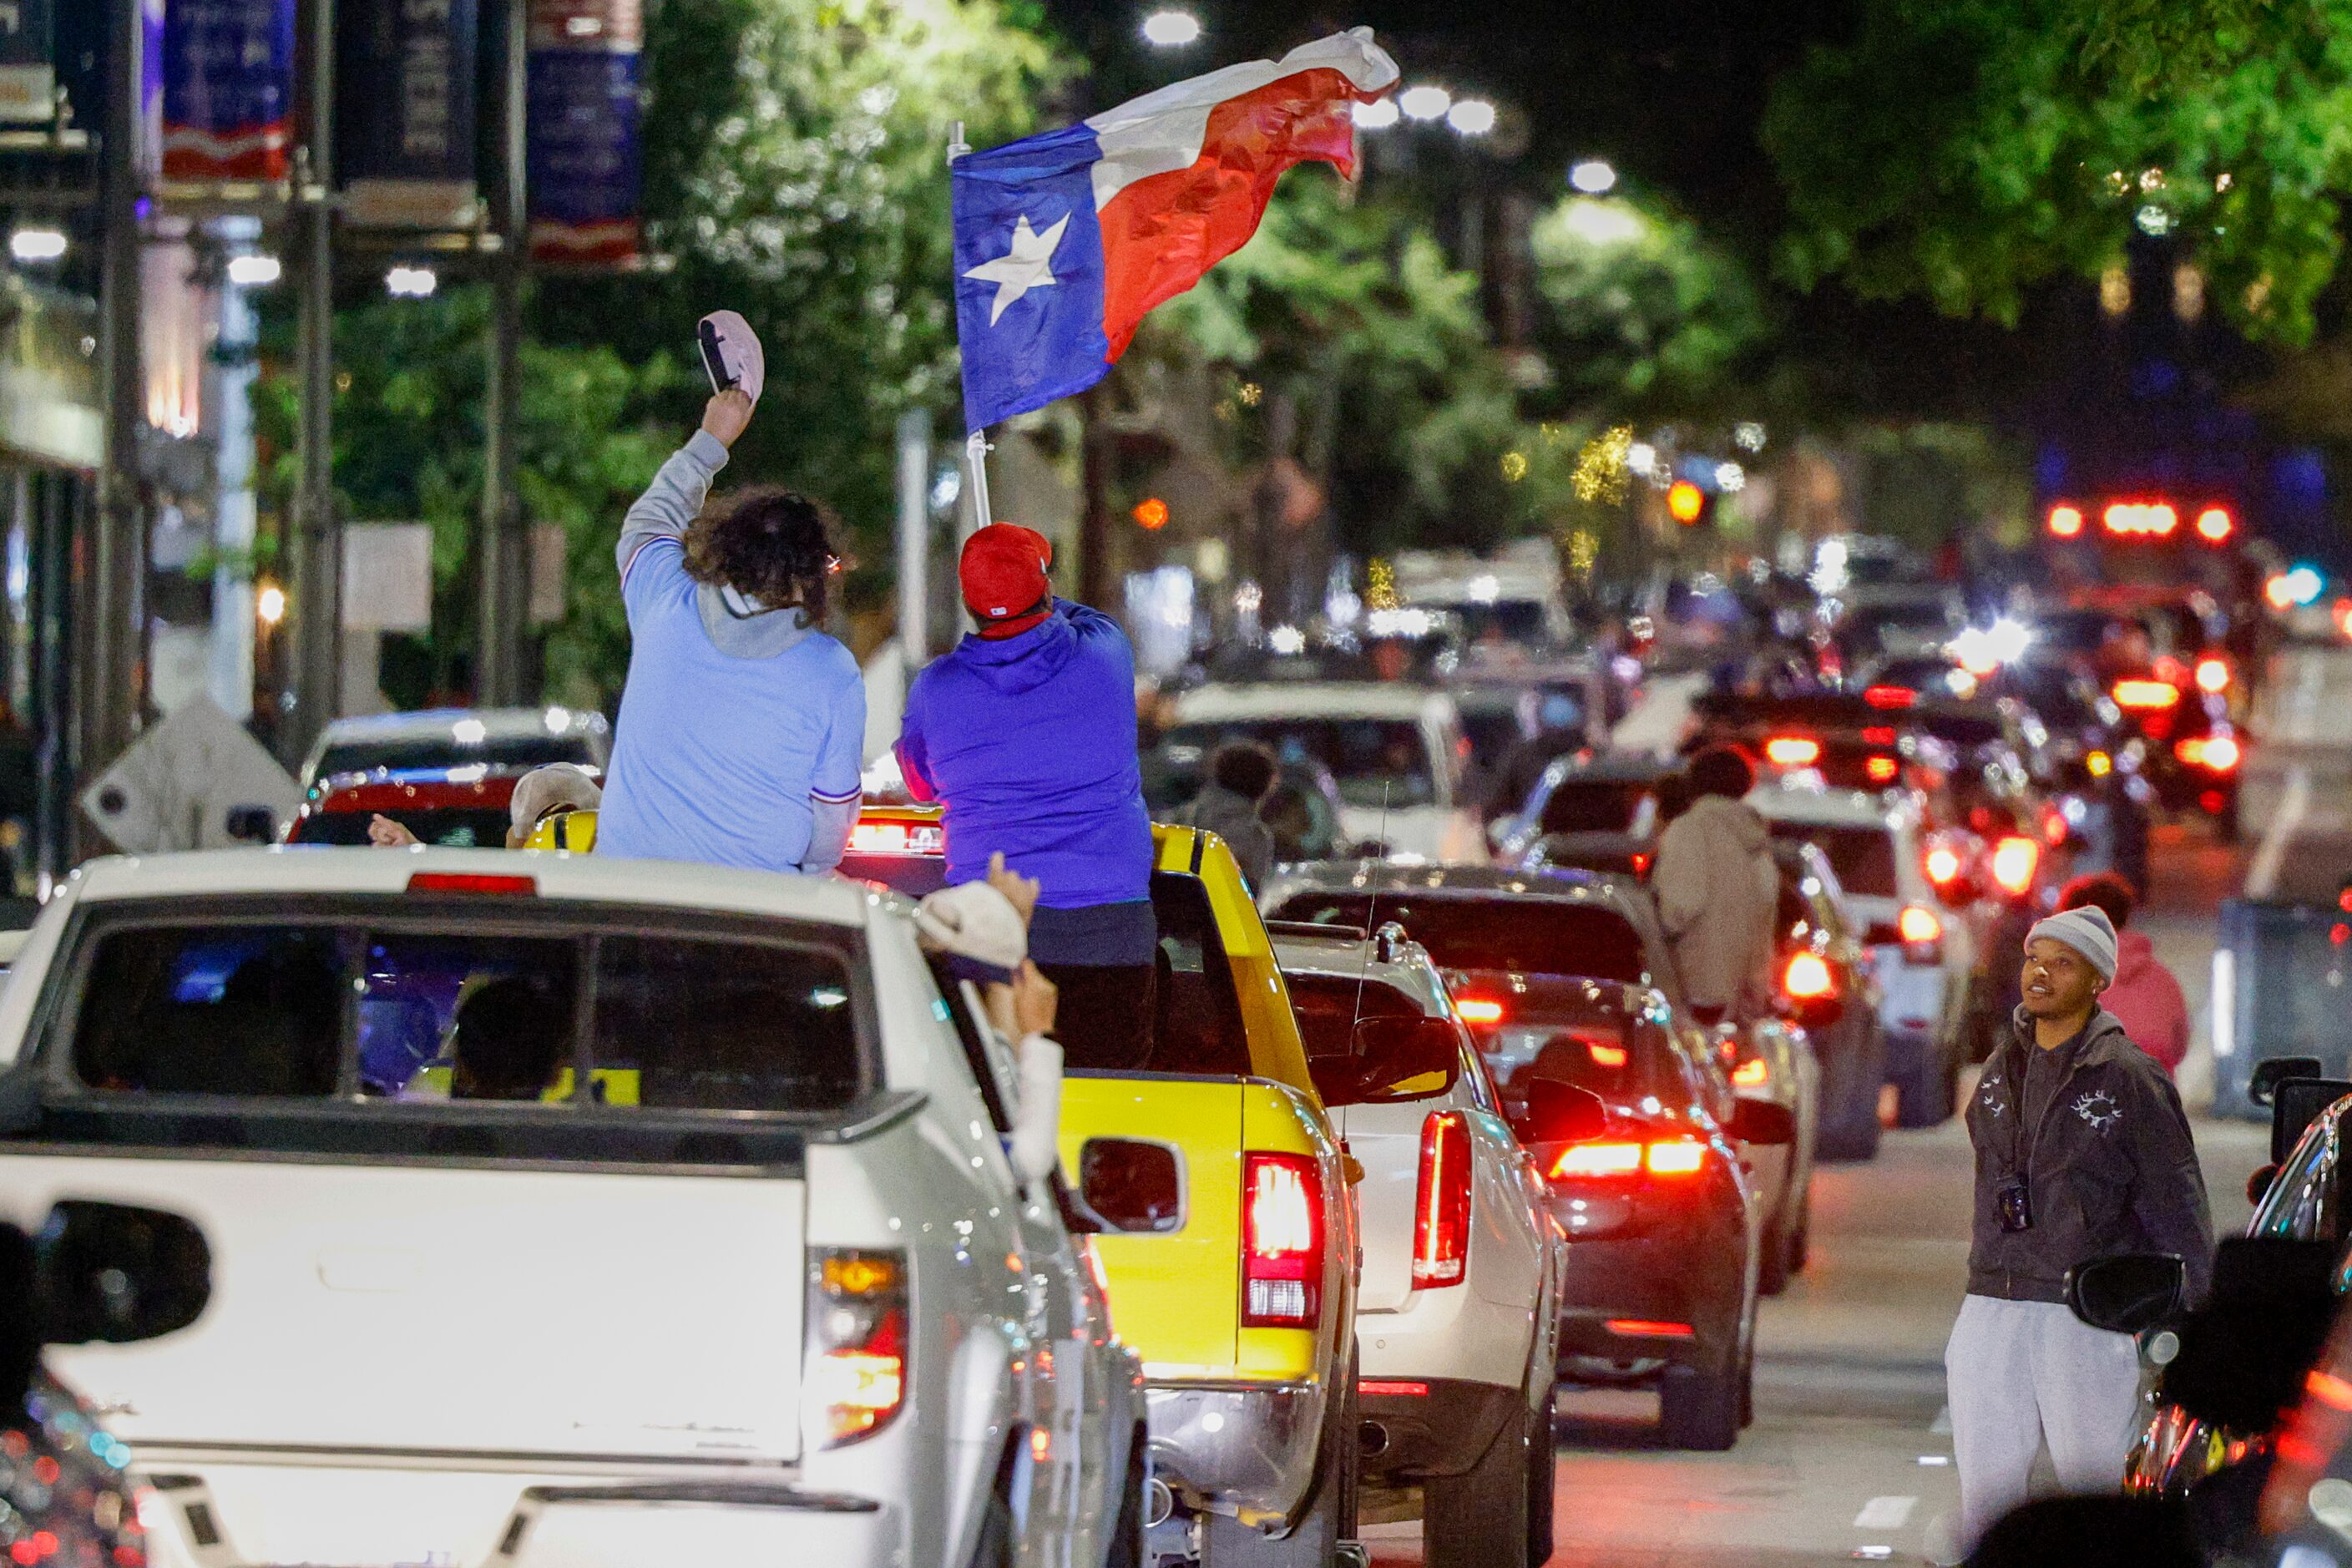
770 544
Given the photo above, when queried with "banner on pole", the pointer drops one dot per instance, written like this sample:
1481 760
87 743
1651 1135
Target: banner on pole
405 112
28 63
584 155
228 89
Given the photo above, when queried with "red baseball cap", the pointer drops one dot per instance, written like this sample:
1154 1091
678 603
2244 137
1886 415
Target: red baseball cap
1002 574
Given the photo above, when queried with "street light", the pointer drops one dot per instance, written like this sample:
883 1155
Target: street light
1377 115
1171 29
1471 117
253 271
1593 176
36 244
1424 103
411 282
270 604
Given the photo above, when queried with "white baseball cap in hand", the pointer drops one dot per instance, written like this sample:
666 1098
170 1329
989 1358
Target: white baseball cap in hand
973 921
731 353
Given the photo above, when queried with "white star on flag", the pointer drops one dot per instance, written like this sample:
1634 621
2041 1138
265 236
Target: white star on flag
1028 265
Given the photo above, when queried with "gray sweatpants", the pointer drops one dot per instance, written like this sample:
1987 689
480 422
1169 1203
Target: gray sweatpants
2018 1374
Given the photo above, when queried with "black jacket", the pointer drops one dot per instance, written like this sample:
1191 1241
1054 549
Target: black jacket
2110 1169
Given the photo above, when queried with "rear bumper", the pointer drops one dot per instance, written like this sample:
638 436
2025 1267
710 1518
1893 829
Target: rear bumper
1441 1432
1247 1449
1690 1273
236 1515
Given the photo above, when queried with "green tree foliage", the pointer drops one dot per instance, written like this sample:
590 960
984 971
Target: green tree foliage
1639 314
1351 313
1967 149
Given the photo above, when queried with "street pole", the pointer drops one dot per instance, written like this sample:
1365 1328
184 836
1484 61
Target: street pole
107 629
1095 575
914 537
317 595
504 585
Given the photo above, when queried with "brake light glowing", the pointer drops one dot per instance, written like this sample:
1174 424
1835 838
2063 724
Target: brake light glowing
1882 770
2157 519
1282 1241
1919 926
1390 1388
1478 1009
1807 977
1648 1328
1890 697
2215 524
1878 735
1792 752
2212 674
1943 865
857 1364
1751 1074
473 882
2145 696
1682 1157
2015 861
2066 521
898 838
2215 753
1441 1210
1605 1056
2053 827
1667 1157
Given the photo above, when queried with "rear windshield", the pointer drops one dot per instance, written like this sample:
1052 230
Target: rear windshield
1374 760
1603 1055
1593 806
1863 857
1328 1007
446 751
1530 936
395 1010
453 827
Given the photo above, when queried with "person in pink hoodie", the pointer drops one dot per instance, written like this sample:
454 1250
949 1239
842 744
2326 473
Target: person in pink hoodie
2143 996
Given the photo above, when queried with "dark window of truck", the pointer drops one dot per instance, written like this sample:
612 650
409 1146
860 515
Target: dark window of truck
1198 1024
725 1025
256 1012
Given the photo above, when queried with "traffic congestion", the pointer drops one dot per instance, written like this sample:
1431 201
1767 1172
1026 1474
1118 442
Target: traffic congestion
1031 784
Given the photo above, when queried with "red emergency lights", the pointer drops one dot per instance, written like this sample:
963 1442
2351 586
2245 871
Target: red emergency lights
2143 518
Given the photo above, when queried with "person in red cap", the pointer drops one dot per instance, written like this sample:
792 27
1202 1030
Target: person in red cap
1026 732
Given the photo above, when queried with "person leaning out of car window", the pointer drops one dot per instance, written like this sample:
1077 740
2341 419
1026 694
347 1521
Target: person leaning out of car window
2082 1151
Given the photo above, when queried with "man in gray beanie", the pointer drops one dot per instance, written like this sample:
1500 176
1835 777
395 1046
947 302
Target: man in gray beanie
2082 1151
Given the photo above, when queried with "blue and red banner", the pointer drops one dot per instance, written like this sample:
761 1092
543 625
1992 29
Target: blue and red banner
228 89
584 154
404 111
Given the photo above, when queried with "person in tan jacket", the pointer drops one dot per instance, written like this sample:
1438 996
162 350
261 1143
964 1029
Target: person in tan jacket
1716 887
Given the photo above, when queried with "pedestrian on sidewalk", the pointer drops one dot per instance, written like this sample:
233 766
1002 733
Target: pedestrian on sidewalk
2082 1151
1242 775
1026 732
743 723
2145 998
1718 889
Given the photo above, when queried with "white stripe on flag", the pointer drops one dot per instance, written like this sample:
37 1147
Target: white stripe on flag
1164 130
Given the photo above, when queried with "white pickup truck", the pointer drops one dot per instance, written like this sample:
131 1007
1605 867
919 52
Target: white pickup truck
565 1211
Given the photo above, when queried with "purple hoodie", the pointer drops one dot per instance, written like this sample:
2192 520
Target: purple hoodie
1029 742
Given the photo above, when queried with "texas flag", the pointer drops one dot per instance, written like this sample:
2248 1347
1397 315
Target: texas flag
1063 241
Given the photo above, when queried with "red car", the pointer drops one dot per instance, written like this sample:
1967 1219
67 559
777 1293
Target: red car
458 808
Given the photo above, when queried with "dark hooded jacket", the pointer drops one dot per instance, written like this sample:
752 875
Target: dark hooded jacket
1029 742
2109 1166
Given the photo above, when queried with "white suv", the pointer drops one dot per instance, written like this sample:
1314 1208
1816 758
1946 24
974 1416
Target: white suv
1456 1319
1923 956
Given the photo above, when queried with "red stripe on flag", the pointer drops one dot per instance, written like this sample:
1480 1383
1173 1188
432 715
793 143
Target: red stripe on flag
1161 233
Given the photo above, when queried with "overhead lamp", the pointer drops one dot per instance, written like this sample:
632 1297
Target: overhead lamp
1424 103
405 282
255 271
38 243
1171 29
1377 115
1593 176
1471 117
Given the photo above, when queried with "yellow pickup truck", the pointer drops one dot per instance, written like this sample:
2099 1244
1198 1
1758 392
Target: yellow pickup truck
1242 1304
1240 1297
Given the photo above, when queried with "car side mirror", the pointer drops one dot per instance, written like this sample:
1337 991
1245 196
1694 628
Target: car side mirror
1763 1122
2129 1291
2271 1071
1560 1112
113 1274
251 824
2258 1185
1390 1058
1131 1184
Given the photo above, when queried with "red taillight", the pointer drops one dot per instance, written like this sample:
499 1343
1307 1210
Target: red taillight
1919 926
1753 1073
2147 696
2212 675
2215 524
1807 977
1882 770
2066 521
2015 861
1282 1241
1666 1157
858 1340
1943 865
1391 1387
2053 827
2217 754
1478 1009
1648 1328
1878 735
1441 1209
1793 751
1890 696
898 838
1605 1056
473 882
1678 1157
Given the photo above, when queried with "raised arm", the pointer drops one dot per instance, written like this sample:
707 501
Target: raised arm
676 494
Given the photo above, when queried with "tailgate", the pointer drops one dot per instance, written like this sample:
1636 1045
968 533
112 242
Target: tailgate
1386 1141
1176 1299
459 1310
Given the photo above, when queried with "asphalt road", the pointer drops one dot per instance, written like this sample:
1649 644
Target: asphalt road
1848 1459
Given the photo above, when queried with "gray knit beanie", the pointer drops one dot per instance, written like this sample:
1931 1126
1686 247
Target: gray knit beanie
2087 931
